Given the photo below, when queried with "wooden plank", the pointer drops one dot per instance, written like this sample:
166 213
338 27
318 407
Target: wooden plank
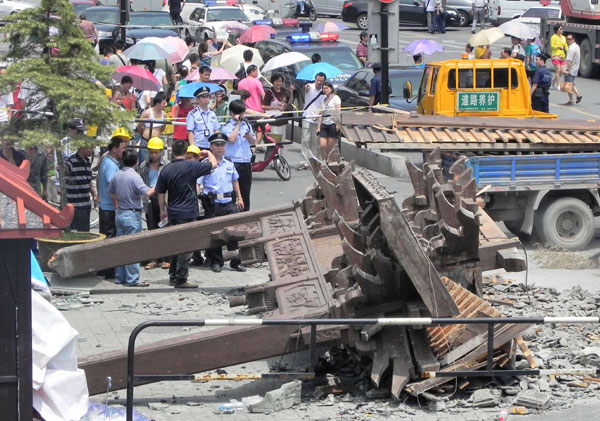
406 249
424 357
118 251
526 352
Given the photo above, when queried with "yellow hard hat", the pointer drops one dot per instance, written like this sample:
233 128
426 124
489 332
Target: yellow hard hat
155 144
193 149
121 132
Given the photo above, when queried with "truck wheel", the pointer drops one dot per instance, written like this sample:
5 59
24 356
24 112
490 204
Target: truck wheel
463 18
567 223
587 68
362 21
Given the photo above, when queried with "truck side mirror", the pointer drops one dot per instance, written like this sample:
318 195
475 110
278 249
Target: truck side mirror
407 90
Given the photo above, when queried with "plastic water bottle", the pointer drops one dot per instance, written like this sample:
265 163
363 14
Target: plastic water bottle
225 408
503 415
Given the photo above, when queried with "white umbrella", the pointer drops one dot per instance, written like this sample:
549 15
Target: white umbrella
517 29
284 60
231 58
486 37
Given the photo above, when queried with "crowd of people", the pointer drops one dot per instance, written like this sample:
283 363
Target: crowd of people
208 172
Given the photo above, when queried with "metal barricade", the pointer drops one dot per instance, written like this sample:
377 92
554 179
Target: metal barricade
313 323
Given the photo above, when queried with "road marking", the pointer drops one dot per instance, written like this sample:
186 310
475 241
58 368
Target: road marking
572 108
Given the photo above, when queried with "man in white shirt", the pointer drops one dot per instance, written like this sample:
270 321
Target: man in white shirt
479 9
430 6
313 104
573 60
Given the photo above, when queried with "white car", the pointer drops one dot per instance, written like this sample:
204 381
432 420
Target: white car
254 12
533 17
204 21
9 7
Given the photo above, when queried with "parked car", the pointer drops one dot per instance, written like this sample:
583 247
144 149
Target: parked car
253 12
463 7
411 12
329 7
80 5
9 7
355 91
206 20
533 16
106 20
149 24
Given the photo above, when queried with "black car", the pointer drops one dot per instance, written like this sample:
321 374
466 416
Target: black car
411 12
335 53
106 20
355 91
149 24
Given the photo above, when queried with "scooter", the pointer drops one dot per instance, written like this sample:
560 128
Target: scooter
308 11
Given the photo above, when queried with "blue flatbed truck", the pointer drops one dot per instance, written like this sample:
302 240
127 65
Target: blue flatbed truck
554 197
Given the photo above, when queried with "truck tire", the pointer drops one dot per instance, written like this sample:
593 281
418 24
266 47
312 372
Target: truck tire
567 223
362 21
587 68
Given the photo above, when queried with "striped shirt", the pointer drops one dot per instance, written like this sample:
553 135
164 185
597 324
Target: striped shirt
78 176
362 50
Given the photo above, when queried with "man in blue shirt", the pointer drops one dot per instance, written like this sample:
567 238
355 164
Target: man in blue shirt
375 91
201 122
106 210
126 190
178 179
220 188
239 138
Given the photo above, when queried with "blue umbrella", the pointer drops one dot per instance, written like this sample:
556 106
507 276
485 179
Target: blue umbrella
309 72
188 91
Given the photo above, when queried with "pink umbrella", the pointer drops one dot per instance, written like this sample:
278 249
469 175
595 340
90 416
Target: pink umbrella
142 79
220 73
236 27
257 33
180 47
193 76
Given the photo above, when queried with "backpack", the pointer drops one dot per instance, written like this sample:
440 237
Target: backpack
240 74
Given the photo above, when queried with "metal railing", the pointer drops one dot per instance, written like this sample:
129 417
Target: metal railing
313 323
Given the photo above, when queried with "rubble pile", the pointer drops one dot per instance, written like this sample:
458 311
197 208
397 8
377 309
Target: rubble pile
553 257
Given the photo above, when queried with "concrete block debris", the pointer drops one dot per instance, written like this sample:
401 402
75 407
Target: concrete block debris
533 399
285 397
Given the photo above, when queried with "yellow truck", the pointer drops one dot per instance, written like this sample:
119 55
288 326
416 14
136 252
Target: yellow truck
482 88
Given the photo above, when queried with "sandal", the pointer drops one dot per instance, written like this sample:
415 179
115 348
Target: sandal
140 285
166 265
151 265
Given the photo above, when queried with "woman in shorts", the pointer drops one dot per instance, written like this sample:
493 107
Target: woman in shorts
327 129
558 44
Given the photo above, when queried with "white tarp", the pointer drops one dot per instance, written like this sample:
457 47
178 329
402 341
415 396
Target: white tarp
59 387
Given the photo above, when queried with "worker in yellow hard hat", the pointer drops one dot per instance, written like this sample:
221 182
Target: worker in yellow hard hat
149 171
122 133
193 153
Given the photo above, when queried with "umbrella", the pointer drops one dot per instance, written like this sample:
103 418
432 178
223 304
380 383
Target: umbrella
518 29
309 72
257 33
193 75
231 58
486 36
220 73
284 60
142 79
236 27
188 91
180 47
150 48
423 46
330 27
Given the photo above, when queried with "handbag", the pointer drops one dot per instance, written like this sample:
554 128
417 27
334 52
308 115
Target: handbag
566 87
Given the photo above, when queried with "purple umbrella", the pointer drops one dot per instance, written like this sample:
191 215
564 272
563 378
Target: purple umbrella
423 46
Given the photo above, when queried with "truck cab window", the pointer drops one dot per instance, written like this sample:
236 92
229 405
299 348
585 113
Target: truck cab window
501 78
483 78
423 86
465 79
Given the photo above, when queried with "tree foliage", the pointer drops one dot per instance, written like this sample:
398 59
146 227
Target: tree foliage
49 53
